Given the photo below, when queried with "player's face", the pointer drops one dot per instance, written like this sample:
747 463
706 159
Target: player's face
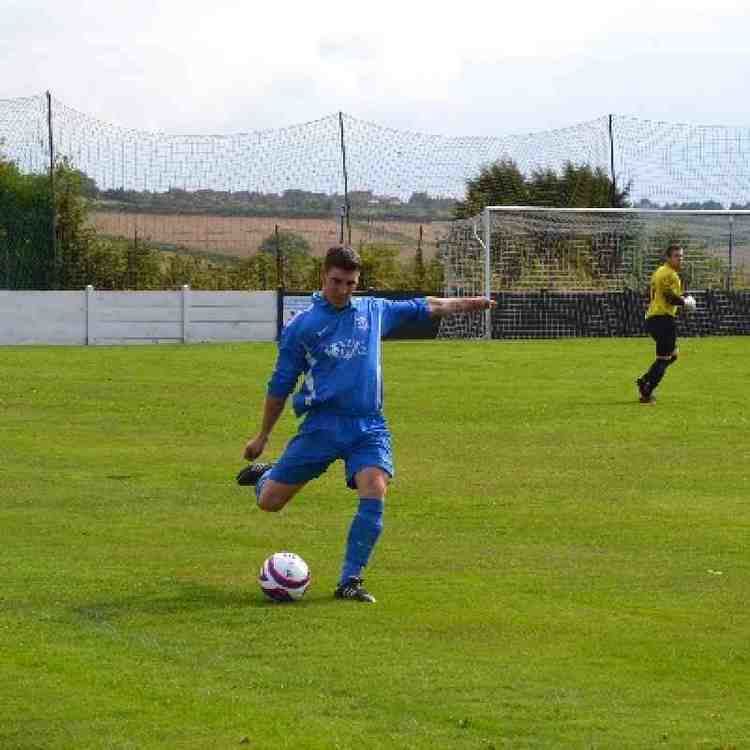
675 259
339 285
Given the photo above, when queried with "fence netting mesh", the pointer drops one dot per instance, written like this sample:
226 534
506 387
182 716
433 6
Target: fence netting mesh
225 196
562 272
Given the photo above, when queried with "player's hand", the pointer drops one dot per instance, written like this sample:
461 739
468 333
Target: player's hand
255 447
482 303
690 303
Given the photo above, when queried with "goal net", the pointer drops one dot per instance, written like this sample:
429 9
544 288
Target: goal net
557 272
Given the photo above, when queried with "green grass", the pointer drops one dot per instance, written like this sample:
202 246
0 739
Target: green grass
562 567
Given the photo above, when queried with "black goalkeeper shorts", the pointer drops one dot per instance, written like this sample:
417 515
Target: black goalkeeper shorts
663 330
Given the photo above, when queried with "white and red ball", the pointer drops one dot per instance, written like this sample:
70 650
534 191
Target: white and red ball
284 577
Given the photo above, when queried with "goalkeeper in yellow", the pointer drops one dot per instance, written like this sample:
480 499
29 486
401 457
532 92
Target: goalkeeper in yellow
666 297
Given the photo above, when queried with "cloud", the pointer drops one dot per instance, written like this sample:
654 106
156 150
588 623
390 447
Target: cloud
188 67
345 48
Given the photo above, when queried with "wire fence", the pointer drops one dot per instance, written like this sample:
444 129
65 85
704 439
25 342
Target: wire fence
337 178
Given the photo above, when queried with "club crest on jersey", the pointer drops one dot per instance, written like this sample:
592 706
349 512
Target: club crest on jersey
361 323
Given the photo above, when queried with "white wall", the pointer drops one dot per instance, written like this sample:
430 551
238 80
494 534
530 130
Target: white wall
94 317
42 317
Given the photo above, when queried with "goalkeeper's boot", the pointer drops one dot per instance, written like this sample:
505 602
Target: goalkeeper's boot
352 588
644 389
251 474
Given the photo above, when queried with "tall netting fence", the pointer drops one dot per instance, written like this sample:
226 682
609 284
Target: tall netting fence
413 166
27 256
158 205
674 165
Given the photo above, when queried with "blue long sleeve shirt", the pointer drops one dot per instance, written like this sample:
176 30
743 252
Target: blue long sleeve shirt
339 353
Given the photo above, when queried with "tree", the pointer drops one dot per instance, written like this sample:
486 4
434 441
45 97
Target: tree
576 186
416 276
583 187
498 184
26 247
256 272
288 242
296 259
75 236
379 266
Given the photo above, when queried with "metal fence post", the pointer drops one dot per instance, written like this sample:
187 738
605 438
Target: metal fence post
613 186
89 314
731 253
185 314
345 175
279 311
279 257
53 202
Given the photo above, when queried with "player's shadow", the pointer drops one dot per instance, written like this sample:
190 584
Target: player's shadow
189 596
605 402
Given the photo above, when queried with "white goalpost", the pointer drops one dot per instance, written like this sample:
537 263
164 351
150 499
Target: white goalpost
571 255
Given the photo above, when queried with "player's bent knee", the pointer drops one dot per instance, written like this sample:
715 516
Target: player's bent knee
372 482
270 501
275 495
271 505
377 489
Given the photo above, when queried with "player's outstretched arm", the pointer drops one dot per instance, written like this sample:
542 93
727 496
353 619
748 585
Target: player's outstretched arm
440 306
272 410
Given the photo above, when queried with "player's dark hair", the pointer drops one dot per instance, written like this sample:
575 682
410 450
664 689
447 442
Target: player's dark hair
342 257
672 249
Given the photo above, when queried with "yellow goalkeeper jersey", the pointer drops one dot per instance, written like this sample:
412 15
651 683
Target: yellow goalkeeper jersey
664 281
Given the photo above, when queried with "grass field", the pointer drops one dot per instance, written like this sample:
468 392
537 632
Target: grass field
561 567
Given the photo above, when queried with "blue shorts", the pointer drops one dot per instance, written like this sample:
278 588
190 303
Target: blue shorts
360 442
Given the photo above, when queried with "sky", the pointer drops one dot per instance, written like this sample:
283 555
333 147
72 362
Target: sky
469 68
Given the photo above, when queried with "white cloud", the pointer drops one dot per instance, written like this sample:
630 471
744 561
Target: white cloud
480 68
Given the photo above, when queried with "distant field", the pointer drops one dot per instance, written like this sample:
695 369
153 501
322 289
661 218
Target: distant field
561 566
240 236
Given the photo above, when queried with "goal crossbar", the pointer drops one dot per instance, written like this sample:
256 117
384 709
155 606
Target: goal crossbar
641 211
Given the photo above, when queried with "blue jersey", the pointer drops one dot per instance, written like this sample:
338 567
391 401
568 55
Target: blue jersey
338 351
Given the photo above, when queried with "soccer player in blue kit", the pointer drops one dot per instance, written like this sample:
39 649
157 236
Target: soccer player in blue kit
336 345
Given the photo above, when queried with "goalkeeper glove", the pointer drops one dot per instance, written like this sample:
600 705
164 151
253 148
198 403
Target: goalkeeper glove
690 303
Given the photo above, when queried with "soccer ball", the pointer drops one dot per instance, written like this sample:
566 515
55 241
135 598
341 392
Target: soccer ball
284 577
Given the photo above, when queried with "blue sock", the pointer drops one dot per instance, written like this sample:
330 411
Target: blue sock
363 534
